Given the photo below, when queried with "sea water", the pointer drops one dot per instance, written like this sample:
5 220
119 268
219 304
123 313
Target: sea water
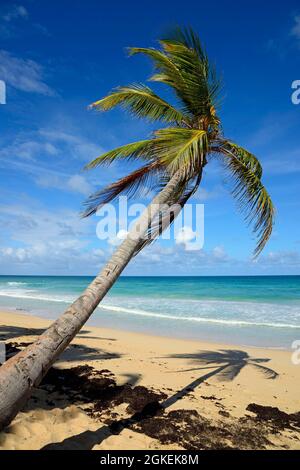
243 310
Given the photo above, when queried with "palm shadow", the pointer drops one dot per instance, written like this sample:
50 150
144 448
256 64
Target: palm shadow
232 361
226 364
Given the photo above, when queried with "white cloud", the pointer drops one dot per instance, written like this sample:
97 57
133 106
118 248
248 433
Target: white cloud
39 240
295 31
176 260
16 11
78 146
45 153
278 164
23 74
75 183
28 224
204 194
36 144
79 184
280 258
52 258
219 253
36 240
28 149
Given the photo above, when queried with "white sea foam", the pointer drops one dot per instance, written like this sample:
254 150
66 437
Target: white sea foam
207 309
196 319
31 294
16 283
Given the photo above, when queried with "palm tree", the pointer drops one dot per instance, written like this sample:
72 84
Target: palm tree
173 161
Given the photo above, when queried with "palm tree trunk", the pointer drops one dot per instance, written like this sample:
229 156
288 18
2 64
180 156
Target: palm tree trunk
20 374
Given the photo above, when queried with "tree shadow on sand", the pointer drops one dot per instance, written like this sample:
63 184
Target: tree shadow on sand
74 353
226 364
9 332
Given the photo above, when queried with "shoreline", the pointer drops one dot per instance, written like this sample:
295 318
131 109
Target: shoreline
24 312
207 331
182 375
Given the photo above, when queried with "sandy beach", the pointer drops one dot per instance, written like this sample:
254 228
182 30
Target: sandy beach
119 390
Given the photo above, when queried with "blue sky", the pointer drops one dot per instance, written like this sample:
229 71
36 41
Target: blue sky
58 57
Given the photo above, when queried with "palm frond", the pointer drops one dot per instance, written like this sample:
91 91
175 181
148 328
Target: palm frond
181 148
184 65
162 64
202 86
134 150
144 179
194 134
142 102
188 38
252 196
250 160
165 70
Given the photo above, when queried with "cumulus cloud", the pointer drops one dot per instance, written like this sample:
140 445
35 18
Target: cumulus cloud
42 241
176 260
23 74
51 257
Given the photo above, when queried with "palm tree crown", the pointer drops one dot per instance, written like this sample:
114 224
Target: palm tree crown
192 134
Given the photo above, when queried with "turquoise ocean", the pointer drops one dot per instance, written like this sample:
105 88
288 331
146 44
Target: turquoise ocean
257 311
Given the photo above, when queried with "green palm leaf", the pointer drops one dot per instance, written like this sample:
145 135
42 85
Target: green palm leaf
242 154
195 134
252 196
134 150
142 102
181 148
202 86
166 70
186 69
162 63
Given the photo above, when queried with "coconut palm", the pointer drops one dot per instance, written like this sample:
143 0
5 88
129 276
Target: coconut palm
173 161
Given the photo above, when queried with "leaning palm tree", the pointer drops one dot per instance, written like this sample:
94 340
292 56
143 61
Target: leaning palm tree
173 161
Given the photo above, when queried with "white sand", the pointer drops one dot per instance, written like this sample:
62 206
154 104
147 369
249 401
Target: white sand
146 361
